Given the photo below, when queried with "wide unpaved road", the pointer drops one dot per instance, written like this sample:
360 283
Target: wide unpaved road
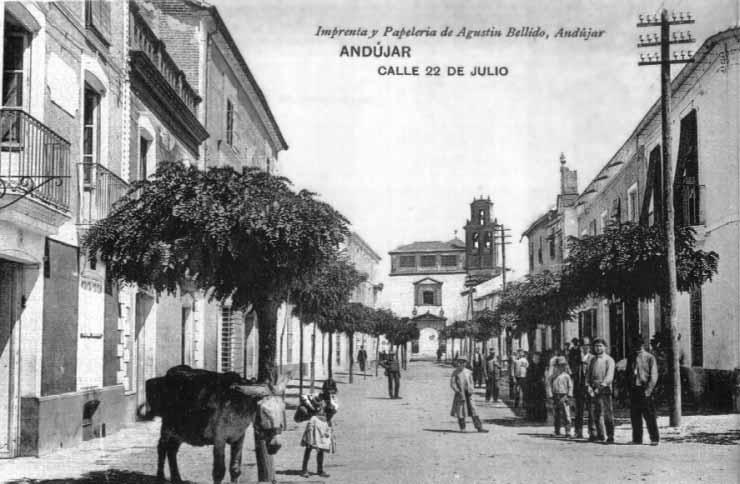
414 440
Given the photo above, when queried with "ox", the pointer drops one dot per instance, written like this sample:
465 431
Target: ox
201 407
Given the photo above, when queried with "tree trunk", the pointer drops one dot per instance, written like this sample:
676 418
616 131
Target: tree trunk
313 356
300 357
329 365
377 353
351 337
266 310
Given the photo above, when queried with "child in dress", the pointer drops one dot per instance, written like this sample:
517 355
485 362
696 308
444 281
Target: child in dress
562 391
319 434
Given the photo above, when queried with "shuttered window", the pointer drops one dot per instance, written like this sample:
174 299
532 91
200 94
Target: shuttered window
407 261
232 341
428 261
449 260
97 18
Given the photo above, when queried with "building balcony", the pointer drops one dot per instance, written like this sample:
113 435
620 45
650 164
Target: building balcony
159 83
99 189
34 162
143 40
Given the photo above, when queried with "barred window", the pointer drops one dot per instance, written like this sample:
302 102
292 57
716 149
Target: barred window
428 261
449 260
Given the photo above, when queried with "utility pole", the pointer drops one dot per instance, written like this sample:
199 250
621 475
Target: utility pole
664 61
504 233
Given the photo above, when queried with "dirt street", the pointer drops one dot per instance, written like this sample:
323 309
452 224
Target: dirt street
414 440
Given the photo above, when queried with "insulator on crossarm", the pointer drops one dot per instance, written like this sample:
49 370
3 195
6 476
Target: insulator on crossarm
675 55
688 35
673 15
680 16
688 16
641 17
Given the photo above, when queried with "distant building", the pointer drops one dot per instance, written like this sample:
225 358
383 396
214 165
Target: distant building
547 242
428 280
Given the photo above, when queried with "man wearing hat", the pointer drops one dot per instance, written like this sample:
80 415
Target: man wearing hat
561 389
462 404
599 380
642 375
393 372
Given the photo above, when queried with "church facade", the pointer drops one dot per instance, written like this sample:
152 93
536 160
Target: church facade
428 279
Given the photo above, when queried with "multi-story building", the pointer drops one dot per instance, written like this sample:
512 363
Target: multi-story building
428 280
61 164
242 133
95 97
547 242
706 121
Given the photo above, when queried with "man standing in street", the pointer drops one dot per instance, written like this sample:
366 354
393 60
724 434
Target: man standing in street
362 358
491 371
393 372
579 365
478 369
462 384
642 374
521 366
600 377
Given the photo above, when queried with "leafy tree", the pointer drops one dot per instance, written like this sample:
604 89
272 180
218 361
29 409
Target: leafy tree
319 297
628 262
400 334
245 236
381 322
537 299
354 318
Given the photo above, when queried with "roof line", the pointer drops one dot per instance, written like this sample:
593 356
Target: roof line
676 83
243 64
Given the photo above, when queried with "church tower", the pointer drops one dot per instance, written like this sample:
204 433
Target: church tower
481 261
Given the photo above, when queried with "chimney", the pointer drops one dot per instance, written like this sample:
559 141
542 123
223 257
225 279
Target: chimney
568 178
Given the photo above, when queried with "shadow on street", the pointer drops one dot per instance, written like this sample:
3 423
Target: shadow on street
731 437
110 476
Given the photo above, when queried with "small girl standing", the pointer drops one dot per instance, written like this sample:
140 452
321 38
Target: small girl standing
319 434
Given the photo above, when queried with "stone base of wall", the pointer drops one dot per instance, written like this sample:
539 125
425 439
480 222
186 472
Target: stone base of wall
54 422
711 389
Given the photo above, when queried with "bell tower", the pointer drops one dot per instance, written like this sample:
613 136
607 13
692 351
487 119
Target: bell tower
480 241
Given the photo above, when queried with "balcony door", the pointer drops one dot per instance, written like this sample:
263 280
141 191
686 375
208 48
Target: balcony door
15 78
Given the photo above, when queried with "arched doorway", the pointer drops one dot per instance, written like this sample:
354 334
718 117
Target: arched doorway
429 326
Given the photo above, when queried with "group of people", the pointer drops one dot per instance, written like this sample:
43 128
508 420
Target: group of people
582 377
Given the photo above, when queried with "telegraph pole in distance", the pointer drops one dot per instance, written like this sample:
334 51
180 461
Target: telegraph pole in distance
505 235
664 61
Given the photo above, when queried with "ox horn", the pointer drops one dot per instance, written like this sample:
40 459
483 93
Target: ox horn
256 391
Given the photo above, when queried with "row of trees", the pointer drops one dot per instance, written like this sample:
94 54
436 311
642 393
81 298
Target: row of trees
244 237
626 262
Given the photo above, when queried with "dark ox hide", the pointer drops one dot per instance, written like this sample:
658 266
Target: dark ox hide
201 407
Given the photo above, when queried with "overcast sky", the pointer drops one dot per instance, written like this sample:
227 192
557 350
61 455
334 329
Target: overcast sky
402 157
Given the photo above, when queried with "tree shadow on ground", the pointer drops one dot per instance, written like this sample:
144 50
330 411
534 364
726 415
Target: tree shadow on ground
442 431
514 422
110 476
569 440
731 437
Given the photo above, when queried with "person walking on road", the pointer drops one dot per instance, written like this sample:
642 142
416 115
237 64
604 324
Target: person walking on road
642 374
462 384
579 367
561 388
393 372
362 358
600 379
491 372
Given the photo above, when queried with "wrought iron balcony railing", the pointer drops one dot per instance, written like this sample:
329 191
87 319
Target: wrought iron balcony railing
99 189
34 161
